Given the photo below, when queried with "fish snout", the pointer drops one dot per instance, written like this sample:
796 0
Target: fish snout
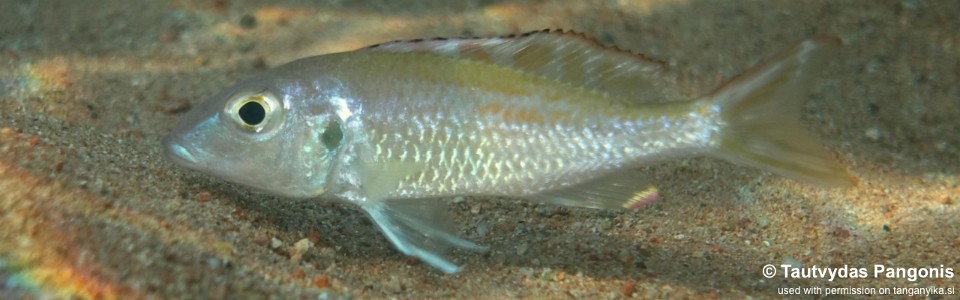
176 152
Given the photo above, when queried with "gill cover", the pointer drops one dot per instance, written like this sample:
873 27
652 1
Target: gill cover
274 135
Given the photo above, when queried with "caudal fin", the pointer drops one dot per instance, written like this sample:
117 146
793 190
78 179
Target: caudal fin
761 112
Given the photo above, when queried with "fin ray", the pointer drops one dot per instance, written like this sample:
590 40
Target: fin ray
615 191
567 57
762 112
416 227
420 228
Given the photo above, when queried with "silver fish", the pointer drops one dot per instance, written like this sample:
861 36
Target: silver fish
548 116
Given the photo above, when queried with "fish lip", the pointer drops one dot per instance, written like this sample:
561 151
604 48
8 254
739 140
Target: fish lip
177 153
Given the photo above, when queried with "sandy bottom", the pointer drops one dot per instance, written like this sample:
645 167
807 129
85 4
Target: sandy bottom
90 209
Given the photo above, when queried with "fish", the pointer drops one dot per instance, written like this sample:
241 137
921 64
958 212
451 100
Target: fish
550 116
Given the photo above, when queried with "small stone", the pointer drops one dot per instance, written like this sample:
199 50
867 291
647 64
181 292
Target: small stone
763 222
393 285
298 273
475 209
946 200
321 281
172 34
841 233
545 211
940 146
7 132
577 293
483 228
248 22
606 224
275 243
873 134
300 248
628 288
175 106
792 262
314 236
204 196
522 249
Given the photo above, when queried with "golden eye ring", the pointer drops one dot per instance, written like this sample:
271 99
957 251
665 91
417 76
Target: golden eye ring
253 111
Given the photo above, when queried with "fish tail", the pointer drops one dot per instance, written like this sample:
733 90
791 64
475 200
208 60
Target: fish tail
760 113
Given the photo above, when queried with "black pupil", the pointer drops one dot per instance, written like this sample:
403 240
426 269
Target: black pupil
252 113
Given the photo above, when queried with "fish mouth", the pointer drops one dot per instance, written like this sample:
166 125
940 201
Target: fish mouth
177 153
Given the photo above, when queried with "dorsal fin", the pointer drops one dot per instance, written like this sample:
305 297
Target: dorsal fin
566 57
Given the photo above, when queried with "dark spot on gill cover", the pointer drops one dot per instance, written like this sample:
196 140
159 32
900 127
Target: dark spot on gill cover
332 135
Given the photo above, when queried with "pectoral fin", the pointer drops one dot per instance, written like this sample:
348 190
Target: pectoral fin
416 227
420 228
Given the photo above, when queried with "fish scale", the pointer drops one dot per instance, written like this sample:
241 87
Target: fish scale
547 116
590 150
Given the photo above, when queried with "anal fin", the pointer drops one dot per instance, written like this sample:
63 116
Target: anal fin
616 191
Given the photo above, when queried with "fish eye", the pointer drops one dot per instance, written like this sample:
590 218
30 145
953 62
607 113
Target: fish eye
332 135
252 111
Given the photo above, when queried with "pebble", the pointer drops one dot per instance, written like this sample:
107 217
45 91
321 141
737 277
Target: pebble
545 211
628 288
941 146
175 106
204 196
763 222
275 243
248 22
873 134
300 248
483 228
522 249
606 224
321 281
7 132
393 285
792 262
